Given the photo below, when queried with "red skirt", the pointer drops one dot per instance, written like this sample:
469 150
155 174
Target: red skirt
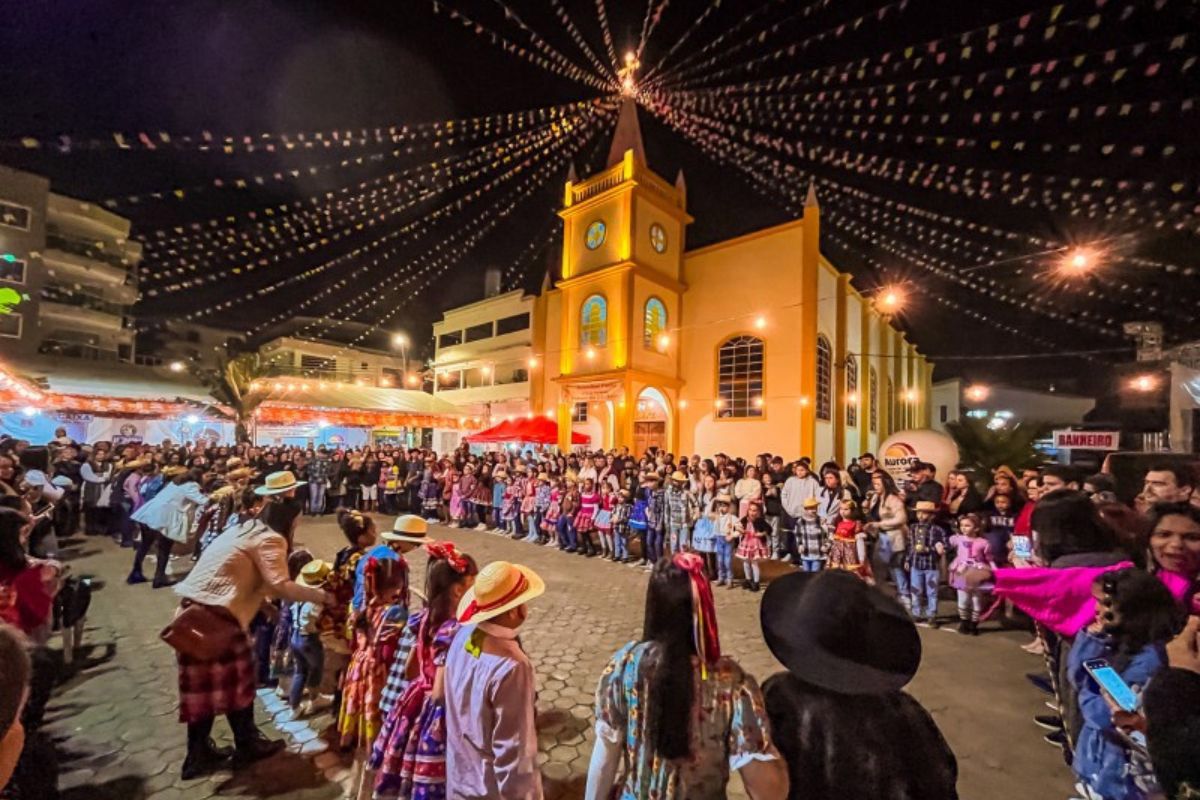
210 688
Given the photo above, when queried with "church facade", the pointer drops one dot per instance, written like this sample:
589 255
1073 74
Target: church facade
749 345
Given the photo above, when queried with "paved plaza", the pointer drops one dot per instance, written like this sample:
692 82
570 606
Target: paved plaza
116 729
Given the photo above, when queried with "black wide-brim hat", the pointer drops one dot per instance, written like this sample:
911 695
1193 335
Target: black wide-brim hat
832 630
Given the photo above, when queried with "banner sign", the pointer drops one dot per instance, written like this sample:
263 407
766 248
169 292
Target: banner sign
1087 440
596 392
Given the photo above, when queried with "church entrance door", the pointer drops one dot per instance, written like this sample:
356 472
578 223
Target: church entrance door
649 434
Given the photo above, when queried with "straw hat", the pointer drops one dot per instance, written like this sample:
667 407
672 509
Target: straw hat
222 493
136 463
499 587
279 483
725 497
927 505
407 528
315 573
239 474
678 476
233 462
811 503
543 476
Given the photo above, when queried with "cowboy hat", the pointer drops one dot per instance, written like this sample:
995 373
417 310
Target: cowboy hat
222 492
926 505
543 476
830 629
279 483
136 463
407 528
725 497
677 475
811 503
315 573
234 461
499 587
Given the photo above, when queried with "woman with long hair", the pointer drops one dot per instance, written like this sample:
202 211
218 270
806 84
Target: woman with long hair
674 711
889 521
410 751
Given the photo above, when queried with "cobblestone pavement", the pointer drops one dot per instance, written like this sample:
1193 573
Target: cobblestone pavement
118 736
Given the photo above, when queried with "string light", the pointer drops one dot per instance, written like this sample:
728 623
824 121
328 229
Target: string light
177 366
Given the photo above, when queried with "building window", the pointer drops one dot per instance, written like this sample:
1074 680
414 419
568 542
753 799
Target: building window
479 332
873 400
944 413
10 325
824 378
311 363
517 322
451 339
15 216
12 270
851 391
740 377
579 412
593 322
655 322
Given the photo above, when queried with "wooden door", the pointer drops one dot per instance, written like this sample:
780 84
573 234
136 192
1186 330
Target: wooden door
647 434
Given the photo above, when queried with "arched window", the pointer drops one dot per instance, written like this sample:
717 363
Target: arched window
873 400
740 377
655 321
593 322
852 398
824 378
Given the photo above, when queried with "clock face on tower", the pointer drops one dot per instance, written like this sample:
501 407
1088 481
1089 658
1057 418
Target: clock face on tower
594 236
658 238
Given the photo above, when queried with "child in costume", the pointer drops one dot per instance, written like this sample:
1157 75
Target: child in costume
604 524
926 546
620 526
973 550
847 551
811 538
755 545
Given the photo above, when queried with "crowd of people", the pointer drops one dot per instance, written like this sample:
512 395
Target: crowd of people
434 696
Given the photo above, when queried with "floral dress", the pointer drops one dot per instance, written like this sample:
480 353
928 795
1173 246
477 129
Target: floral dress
410 752
360 719
843 553
729 727
550 521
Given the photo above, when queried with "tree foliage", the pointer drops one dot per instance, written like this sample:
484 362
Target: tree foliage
231 383
982 449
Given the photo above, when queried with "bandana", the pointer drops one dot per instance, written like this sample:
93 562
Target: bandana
447 552
704 613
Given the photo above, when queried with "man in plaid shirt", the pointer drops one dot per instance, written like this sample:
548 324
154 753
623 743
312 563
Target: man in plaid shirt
926 546
318 481
681 512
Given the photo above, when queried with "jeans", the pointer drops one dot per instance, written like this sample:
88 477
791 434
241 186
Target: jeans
812 564
316 497
900 577
533 522
924 586
680 539
724 560
308 656
653 549
163 553
620 542
566 534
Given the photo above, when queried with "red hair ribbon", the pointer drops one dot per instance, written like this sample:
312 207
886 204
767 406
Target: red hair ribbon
704 612
474 607
448 553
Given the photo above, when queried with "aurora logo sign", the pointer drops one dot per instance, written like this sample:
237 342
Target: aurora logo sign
904 448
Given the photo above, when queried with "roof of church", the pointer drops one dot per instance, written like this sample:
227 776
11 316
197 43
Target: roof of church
628 135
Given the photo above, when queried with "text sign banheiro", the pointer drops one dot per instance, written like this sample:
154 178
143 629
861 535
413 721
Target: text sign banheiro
1087 440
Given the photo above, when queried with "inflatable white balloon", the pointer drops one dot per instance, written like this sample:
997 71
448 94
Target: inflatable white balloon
900 450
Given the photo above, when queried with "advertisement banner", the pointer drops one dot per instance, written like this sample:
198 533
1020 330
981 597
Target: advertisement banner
904 448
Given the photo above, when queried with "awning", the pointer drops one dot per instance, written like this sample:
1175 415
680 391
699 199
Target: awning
346 404
538 430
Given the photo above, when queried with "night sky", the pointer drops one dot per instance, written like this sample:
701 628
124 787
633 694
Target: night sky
91 67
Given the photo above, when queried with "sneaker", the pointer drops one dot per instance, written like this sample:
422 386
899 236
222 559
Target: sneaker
1051 722
1057 738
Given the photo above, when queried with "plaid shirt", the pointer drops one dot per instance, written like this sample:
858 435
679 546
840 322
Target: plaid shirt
621 512
811 538
681 507
923 537
542 498
396 682
318 469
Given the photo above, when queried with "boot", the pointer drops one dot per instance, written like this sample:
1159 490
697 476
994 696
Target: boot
255 750
135 577
964 626
974 628
204 760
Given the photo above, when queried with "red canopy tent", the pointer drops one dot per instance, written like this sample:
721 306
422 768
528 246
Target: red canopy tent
538 430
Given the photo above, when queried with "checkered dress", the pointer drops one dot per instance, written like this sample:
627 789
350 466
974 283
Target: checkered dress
396 682
210 688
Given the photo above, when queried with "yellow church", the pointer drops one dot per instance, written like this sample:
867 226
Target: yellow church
750 345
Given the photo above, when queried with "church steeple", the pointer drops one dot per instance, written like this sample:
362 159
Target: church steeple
628 135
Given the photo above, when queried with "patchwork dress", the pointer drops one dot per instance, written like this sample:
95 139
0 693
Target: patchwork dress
410 753
360 718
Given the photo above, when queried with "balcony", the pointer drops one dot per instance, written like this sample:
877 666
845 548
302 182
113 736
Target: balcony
78 318
70 268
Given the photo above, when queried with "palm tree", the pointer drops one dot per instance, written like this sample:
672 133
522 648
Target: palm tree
231 383
981 449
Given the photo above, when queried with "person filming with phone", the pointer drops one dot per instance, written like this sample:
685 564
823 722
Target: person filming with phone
1110 664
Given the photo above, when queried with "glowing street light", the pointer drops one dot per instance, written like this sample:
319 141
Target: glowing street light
719 404
590 353
1144 383
399 340
683 404
664 341
412 379
485 370
977 393
758 402
533 362
177 366
891 300
1078 261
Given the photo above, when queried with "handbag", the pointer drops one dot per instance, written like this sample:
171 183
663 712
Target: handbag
201 632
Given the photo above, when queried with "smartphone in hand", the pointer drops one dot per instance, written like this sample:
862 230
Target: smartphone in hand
1111 682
